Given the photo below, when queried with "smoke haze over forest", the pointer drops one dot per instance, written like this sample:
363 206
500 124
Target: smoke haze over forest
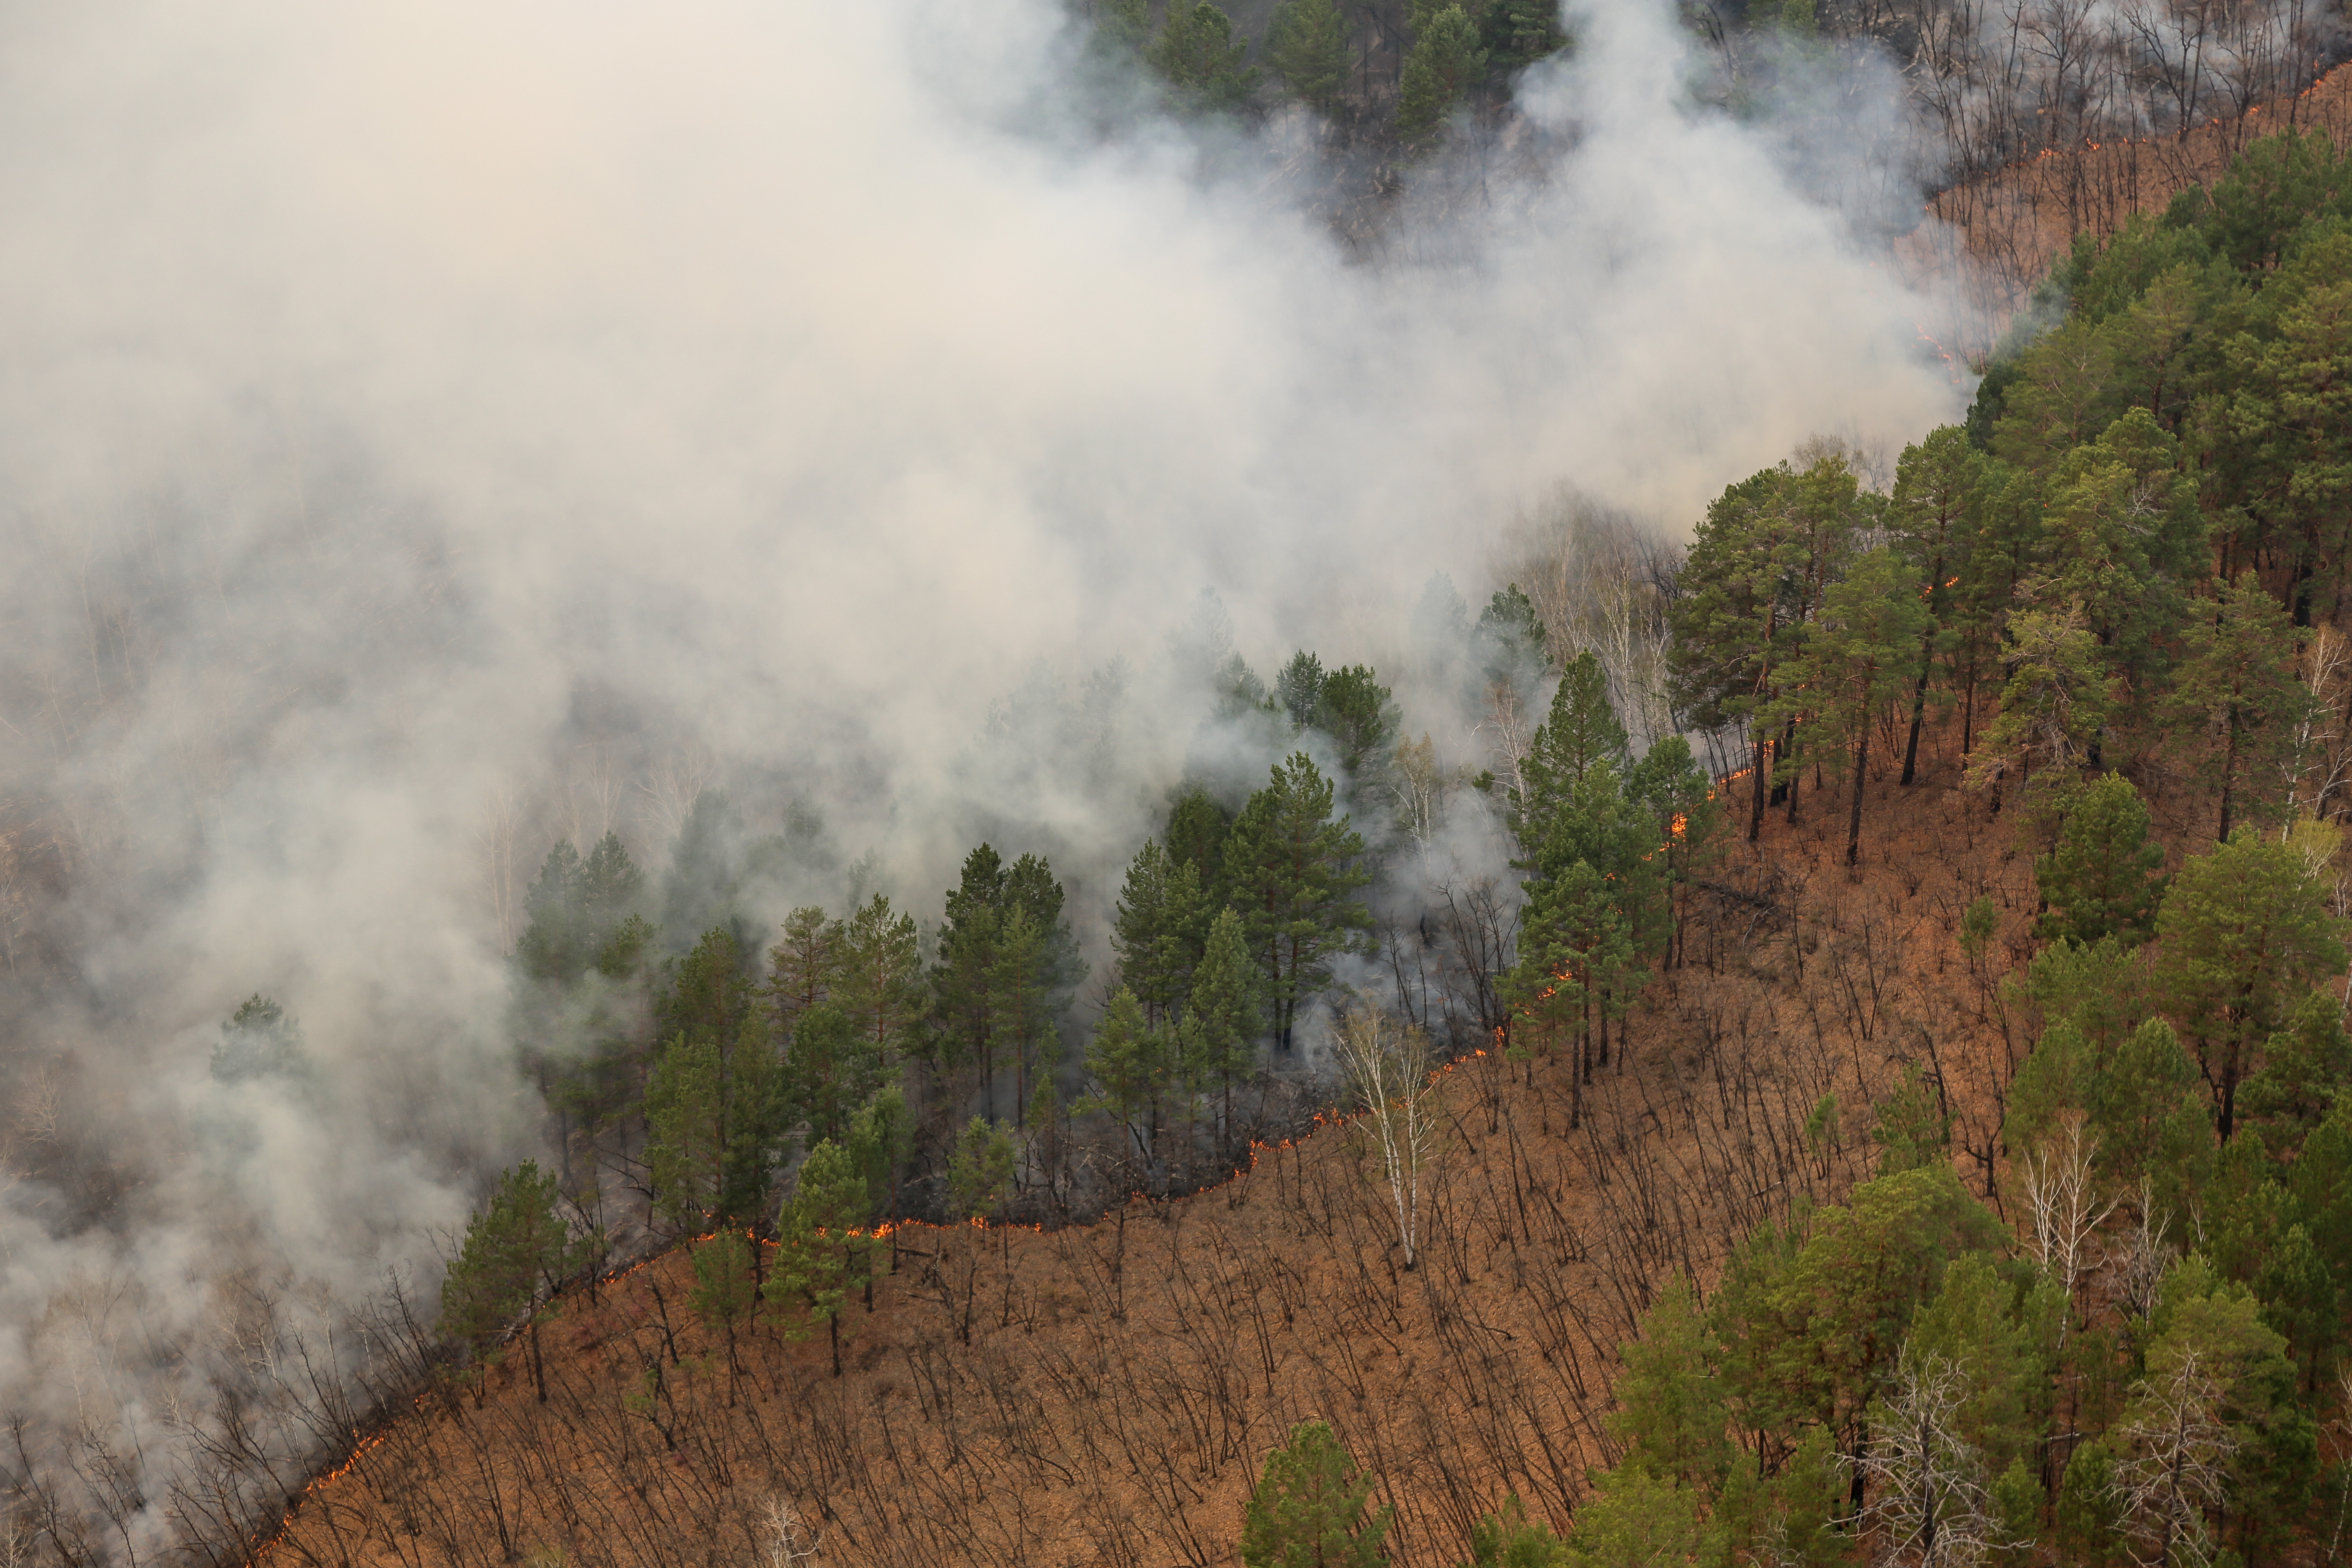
431 431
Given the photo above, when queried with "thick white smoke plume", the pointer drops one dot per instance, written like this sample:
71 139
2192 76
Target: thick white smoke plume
428 429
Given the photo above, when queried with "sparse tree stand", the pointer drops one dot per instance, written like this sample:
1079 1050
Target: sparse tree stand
1386 1064
1308 1508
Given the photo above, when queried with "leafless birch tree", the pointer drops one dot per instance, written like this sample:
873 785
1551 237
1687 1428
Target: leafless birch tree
1386 1064
2064 1210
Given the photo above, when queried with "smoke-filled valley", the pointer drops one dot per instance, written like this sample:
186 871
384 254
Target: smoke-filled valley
620 620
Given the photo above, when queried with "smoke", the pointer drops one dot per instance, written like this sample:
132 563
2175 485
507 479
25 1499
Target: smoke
429 429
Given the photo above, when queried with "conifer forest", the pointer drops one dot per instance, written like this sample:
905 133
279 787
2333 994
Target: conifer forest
1124 784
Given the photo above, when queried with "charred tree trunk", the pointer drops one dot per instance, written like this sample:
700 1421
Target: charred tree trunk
1853 818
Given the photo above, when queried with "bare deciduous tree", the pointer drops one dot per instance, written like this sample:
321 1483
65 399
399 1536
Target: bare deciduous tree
1931 1499
2137 1261
785 1538
2175 1463
2062 1208
1386 1065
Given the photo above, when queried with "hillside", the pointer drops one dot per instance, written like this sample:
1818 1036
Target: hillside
1988 240
1104 1394
1042 783
1922 1138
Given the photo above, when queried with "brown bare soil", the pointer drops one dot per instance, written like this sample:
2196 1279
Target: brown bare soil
1105 1394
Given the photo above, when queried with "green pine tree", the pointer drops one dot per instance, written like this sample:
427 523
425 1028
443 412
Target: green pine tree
1670 1405
1507 1538
1519 33
1444 64
1635 1517
1355 709
802 967
1308 1508
2151 1120
1809 1321
1293 871
1158 929
1596 900
724 1293
1507 652
1686 820
980 1170
1134 1067
518 1252
260 1041
1307 46
2055 707
1758 564
1911 1126
1122 28
1219 1032
878 982
2122 534
1198 55
2306 1066
2104 878
824 1250
1006 966
2245 933
1576 960
1933 518
830 1070
881 1141
1197 830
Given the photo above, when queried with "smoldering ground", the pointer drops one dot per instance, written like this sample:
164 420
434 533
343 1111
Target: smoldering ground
426 430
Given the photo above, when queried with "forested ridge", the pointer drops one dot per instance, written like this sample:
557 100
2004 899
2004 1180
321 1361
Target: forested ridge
1902 1112
1811 1030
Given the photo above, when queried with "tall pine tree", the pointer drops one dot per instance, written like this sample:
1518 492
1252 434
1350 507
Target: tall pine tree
1293 871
